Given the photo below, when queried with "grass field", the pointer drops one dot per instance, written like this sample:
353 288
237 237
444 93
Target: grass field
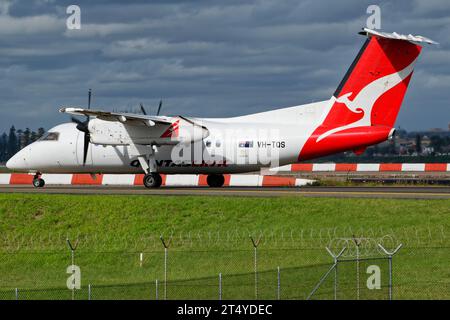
209 235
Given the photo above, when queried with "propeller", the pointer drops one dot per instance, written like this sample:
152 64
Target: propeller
159 107
83 127
143 110
157 113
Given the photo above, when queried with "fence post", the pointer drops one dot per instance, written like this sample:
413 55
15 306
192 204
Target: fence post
89 292
72 247
220 286
156 291
335 265
166 252
357 243
389 256
255 245
17 293
278 283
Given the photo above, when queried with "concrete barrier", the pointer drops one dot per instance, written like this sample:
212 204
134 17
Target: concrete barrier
233 180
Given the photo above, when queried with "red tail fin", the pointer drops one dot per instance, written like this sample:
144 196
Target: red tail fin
381 74
365 105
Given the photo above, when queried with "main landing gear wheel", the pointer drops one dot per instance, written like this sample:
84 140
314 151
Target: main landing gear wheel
38 182
152 180
215 180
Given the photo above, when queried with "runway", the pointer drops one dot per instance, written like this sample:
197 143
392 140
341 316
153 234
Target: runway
392 192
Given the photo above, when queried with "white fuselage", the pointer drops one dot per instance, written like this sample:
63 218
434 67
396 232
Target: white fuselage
239 144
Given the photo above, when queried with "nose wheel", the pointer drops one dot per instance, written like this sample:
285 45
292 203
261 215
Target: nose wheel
152 180
38 182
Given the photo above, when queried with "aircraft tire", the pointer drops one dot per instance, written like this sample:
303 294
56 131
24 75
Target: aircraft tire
152 180
215 180
38 183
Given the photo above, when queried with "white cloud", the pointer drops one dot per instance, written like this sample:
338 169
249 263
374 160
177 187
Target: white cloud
4 7
42 24
145 47
92 30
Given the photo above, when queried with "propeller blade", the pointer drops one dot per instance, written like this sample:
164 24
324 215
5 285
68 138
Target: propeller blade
76 120
159 107
81 125
87 140
143 110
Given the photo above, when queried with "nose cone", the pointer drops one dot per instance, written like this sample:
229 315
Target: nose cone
18 161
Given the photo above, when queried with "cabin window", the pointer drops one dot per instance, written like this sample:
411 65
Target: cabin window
50 136
218 144
208 144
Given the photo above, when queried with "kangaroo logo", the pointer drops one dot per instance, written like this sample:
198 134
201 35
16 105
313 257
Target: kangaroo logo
172 130
366 98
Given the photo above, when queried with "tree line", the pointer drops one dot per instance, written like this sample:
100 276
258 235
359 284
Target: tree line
15 140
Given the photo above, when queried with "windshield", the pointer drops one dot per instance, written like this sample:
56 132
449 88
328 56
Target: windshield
49 136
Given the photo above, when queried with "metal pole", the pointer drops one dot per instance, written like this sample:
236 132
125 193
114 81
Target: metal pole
335 278
320 282
336 260
357 272
390 276
357 243
166 246
165 273
278 283
334 266
255 245
17 293
73 263
156 291
389 256
220 286
89 291
72 250
256 273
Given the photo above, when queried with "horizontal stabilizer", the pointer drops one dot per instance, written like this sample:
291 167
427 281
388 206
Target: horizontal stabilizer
396 36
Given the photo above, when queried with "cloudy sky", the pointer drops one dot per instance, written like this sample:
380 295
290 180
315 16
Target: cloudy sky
205 58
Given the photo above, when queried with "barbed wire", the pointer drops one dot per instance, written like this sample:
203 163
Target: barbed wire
238 238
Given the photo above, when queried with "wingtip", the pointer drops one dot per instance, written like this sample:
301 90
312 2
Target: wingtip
69 109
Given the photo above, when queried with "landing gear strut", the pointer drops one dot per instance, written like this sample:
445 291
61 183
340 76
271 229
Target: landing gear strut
38 182
215 180
152 180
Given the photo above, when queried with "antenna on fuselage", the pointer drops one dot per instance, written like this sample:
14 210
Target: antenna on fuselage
89 98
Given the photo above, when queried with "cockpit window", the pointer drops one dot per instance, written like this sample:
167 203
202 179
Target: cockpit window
50 136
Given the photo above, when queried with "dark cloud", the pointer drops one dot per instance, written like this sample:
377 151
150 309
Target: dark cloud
205 58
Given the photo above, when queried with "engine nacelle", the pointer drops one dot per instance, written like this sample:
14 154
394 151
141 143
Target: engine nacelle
120 133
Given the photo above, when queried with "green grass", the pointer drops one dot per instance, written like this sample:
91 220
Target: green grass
209 235
339 182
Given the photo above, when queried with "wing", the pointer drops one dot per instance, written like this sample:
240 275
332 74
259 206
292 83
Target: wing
128 118
130 128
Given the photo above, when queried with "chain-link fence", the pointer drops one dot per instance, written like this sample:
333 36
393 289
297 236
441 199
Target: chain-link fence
256 269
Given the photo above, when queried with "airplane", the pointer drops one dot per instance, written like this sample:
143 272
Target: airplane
361 112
